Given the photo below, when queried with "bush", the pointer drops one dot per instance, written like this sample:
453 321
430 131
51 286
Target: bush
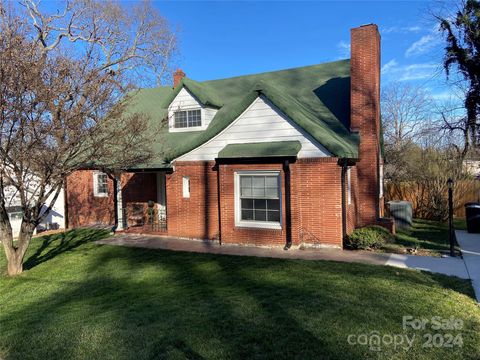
369 237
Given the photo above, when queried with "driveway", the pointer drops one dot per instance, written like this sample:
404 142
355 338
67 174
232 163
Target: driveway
446 266
470 245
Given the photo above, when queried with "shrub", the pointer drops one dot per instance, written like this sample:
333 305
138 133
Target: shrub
369 237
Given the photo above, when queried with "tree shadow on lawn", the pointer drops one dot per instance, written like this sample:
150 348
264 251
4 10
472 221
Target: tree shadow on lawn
155 304
60 243
426 234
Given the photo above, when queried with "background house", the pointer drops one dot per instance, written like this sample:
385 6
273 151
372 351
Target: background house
55 219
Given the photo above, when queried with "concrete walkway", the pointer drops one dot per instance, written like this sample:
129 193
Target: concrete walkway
447 266
470 245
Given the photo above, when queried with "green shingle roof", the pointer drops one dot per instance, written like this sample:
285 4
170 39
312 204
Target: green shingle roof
265 149
316 98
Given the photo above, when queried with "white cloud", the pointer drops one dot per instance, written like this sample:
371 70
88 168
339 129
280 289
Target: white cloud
445 95
343 49
418 71
394 70
400 29
423 45
392 64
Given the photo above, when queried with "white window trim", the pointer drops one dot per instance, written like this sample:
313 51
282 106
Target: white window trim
186 187
255 224
349 186
95 185
171 119
380 191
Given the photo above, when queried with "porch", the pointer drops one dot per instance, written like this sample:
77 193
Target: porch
140 202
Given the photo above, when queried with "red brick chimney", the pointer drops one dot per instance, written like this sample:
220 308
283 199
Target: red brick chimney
178 76
365 117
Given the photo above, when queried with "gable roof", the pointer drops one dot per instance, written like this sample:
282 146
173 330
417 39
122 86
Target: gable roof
316 98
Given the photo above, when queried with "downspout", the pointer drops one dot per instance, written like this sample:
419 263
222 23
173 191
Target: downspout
344 164
65 203
115 203
288 212
219 206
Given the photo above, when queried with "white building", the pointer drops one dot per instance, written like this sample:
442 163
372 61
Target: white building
55 219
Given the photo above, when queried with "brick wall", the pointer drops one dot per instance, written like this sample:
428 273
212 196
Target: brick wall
315 202
83 207
86 209
317 205
196 216
240 235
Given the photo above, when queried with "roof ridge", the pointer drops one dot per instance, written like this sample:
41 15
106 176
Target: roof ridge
273 71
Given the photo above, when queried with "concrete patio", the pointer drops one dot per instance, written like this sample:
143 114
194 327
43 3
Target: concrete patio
470 245
446 266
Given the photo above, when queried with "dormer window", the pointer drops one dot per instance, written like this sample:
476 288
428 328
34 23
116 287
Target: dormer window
188 119
186 113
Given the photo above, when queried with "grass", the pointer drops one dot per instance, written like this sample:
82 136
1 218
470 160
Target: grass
428 237
79 300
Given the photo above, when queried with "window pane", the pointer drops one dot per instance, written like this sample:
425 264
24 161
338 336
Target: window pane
102 185
271 193
16 216
258 192
271 181
194 118
246 192
246 181
258 181
260 204
273 204
259 198
247 203
181 119
247 214
260 215
273 216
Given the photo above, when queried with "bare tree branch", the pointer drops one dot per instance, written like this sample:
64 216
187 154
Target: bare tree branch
66 80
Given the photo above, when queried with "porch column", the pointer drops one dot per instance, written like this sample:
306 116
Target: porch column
119 203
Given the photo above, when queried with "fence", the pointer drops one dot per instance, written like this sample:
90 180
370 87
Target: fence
429 199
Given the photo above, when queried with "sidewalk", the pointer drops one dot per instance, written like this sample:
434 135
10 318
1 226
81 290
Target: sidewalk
470 245
446 266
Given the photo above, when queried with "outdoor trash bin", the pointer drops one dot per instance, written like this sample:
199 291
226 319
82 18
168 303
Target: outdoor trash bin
402 213
472 213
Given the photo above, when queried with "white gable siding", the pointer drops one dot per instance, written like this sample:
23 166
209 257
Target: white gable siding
208 115
261 122
186 101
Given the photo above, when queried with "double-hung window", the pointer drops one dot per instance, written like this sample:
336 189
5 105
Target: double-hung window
100 184
187 119
258 199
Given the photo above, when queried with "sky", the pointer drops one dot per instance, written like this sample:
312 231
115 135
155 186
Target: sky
224 39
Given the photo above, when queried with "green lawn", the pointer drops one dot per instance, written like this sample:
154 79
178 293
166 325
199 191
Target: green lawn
78 300
429 237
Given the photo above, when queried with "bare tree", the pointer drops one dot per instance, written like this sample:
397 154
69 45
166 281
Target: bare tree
453 122
406 113
65 82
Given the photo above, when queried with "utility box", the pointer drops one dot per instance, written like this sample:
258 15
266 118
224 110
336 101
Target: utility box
402 213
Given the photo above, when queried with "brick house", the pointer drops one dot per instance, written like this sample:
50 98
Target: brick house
281 158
